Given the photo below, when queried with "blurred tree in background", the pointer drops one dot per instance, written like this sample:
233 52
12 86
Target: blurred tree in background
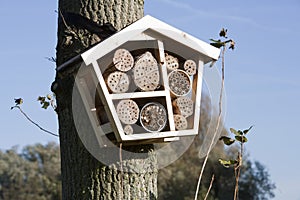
179 180
34 173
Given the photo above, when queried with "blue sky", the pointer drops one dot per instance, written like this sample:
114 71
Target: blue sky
262 85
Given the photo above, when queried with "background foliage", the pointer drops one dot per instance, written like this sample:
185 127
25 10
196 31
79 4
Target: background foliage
34 172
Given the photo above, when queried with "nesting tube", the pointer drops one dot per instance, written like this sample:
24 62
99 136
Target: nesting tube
153 117
128 111
179 83
128 130
146 72
184 106
123 60
171 62
118 82
180 122
190 67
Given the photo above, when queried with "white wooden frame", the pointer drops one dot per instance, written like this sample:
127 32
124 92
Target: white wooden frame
150 29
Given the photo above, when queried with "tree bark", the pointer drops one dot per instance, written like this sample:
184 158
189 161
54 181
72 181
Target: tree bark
83 176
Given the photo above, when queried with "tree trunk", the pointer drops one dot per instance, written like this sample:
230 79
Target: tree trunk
83 176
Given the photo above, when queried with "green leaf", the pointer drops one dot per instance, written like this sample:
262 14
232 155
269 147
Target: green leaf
227 163
247 130
232 45
41 99
18 101
45 105
227 140
223 33
235 132
49 97
217 43
241 139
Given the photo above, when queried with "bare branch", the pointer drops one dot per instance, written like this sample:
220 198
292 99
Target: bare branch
210 186
36 124
218 123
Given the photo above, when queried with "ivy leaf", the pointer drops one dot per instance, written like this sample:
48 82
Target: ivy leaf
49 97
223 33
41 99
18 101
247 130
227 163
241 139
45 105
217 43
227 140
232 45
236 132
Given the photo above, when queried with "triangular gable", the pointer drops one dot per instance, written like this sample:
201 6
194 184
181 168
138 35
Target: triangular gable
139 27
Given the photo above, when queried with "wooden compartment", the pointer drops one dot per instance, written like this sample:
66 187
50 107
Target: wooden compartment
145 73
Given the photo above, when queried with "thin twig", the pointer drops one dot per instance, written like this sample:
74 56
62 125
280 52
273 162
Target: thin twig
210 186
218 124
121 169
237 173
63 19
68 27
36 124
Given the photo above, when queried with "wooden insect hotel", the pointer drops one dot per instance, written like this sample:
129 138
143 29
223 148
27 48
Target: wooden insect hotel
143 84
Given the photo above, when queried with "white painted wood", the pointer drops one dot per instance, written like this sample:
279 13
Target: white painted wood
112 114
144 136
149 32
143 37
171 139
160 93
145 24
166 84
198 95
82 88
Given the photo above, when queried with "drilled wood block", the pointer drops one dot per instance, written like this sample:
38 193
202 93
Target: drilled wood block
146 72
118 82
123 60
153 117
179 82
128 111
128 130
180 122
184 106
171 62
190 67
